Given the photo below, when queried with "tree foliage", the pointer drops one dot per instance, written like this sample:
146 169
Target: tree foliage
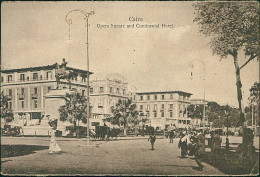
216 114
6 113
74 109
124 112
231 26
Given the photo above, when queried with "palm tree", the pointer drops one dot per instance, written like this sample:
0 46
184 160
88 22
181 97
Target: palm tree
123 112
74 109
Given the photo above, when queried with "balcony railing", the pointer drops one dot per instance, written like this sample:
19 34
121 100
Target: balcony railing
34 96
21 96
9 97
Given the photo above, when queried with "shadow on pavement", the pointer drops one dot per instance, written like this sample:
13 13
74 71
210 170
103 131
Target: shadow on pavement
19 150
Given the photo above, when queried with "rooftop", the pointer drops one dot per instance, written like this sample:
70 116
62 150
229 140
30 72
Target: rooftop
163 92
38 68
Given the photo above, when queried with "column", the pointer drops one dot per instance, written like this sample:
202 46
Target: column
29 99
15 98
42 97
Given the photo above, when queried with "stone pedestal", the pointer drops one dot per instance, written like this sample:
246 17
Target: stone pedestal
53 101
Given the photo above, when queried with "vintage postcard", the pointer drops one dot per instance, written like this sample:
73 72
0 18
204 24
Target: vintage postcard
130 88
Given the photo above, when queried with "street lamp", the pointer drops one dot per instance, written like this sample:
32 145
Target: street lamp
204 106
69 21
227 140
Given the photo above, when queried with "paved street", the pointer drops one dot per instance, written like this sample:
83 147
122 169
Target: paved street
110 157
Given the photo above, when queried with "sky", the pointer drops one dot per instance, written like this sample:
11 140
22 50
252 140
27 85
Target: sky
152 59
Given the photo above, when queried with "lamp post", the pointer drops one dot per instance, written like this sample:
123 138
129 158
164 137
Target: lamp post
204 106
69 21
227 140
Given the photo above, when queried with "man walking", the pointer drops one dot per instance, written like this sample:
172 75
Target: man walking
171 135
152 139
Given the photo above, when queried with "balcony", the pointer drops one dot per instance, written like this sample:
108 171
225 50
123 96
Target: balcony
9 97
34 96
21 96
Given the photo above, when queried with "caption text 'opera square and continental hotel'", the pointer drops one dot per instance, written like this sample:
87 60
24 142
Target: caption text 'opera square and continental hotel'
34 92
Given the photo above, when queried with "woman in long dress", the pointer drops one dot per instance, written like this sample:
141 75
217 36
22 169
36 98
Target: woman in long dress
54 147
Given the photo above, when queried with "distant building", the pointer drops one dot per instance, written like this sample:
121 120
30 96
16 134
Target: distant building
104 94
163 109
26 87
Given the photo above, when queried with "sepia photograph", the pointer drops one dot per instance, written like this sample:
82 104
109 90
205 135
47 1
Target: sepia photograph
130 88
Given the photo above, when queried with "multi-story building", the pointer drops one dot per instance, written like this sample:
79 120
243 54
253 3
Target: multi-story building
104 94
25 88
163 109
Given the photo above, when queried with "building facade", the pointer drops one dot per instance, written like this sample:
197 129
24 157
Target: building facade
104 94
25 88
163 109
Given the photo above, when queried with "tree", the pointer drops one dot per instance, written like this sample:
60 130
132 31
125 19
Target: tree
254 105
6 113
74 109
232 26
123 112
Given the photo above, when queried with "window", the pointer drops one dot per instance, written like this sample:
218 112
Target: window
22 91
49 88
171 96
35 76
35 104
10 105
48 75
155 114
141 107
83 92
22 104
171 106
91 90
111 90
101 89
155 107
123 91
2 79
148 97
35 90
9 78
10 92
162 106
148 114
179 121
117 91
22 77
148 107
141 98
162 97
155 97
188 122
162 114
83 79
171 114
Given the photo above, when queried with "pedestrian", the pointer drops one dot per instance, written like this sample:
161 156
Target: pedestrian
199 151
152 139
171 135
183 144
54 147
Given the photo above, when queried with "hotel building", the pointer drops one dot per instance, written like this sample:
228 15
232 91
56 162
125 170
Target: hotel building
163 109
104 94
25 88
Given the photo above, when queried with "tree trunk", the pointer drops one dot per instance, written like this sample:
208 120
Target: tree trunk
239 91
